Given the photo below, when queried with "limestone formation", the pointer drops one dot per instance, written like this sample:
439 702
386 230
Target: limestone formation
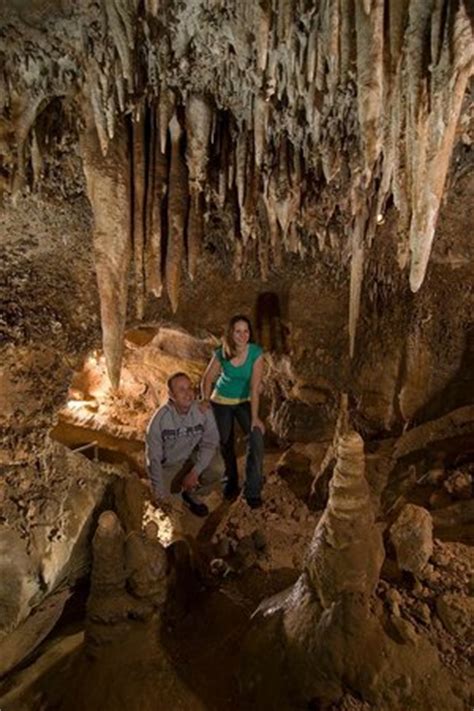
123 663
308 116
412 537
324 633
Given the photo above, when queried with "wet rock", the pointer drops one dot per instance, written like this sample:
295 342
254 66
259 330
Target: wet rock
457 614
412 537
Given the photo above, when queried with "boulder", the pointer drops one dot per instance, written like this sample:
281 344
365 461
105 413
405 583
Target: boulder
45 541
412 537
457 614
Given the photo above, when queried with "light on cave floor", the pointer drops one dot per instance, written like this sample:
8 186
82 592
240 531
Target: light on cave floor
380 219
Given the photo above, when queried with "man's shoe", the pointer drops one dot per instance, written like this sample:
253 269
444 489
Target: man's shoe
195 507
231 493
255 502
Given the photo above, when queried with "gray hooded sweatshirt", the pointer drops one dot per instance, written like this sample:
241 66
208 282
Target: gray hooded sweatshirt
171 438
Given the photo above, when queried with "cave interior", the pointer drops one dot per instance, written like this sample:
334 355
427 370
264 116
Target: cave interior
165 165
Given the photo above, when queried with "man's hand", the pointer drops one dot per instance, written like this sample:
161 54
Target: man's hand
257 422
191 480
204 405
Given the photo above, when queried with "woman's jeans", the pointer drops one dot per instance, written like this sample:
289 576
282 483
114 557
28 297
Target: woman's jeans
225 417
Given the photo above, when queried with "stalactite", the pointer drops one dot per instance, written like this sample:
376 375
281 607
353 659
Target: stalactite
370 67
194 231
330 33
357 274
108 187
36 160
248 212
95 98
241 166
120 17
157 186
446 99
346 43
198 132
263 33
261 111
139 184
166 108
177 211
263 239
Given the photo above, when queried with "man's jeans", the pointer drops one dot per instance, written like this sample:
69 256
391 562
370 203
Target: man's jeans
209 478
225 417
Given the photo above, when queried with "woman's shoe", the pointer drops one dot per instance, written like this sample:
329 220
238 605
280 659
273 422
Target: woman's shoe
255 502
231 493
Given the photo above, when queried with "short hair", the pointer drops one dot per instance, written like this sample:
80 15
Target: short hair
174 377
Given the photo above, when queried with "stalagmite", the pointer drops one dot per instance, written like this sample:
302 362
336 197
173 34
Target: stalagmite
343 556
177 213
108 187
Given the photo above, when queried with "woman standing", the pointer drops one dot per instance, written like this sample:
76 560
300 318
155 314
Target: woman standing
236 370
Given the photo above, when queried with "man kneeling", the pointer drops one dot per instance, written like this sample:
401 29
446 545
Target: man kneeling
182 448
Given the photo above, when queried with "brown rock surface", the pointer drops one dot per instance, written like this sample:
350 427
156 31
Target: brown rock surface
412 537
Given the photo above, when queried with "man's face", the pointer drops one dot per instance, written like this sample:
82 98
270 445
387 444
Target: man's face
182 393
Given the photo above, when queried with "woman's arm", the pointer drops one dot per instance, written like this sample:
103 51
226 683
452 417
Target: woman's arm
209 378
255 388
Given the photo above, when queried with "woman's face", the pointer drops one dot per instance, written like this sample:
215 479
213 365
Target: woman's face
241 333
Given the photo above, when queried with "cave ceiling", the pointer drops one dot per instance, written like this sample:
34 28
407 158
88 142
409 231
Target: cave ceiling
294 125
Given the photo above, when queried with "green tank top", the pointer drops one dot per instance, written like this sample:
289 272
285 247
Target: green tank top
233 384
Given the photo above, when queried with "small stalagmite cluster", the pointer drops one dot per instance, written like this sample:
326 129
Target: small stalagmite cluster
302 123
122 663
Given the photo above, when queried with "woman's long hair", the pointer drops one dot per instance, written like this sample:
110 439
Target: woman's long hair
228 343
